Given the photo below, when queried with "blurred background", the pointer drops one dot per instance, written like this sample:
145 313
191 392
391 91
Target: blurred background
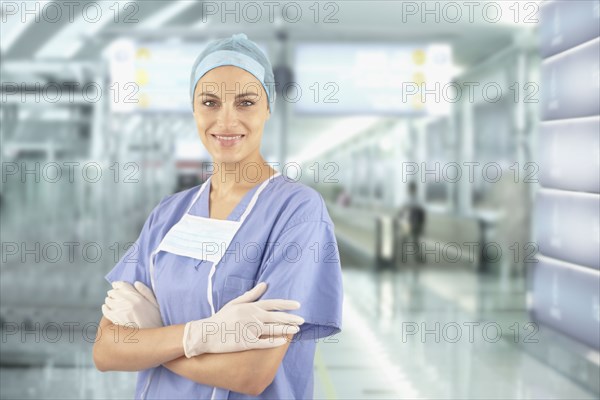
456 145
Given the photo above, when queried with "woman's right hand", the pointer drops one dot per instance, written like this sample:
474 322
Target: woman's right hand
241 323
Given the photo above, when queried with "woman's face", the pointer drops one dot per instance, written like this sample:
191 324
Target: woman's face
230 109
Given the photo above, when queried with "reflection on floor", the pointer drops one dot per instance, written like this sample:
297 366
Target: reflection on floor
424 333
417 333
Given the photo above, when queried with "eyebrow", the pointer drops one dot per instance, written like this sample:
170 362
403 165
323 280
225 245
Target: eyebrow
206 94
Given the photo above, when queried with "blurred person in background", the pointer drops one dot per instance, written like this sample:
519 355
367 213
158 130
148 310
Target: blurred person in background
410 222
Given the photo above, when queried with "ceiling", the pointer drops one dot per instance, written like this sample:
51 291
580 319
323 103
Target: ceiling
353 21
357 21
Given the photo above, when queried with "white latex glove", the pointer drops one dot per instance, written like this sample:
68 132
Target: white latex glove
239 325
127 304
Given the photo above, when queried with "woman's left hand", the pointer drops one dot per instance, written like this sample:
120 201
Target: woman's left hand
132 304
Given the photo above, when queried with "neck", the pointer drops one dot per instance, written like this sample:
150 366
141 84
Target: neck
229 178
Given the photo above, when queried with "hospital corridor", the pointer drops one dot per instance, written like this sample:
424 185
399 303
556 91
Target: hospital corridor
432 205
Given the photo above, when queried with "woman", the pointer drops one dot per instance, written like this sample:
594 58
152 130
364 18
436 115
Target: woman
190 281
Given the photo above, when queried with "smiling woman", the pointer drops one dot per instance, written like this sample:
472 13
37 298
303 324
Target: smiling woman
215 266
231 125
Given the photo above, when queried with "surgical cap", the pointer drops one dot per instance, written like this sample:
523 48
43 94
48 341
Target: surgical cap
238 51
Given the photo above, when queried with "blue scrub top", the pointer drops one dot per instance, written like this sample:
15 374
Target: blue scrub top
287 241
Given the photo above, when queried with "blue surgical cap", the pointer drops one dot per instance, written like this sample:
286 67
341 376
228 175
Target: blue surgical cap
238 51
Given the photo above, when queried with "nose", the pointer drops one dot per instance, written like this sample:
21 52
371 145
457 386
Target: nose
227 118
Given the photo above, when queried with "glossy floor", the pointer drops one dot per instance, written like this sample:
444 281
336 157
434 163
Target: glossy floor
444 334
414 333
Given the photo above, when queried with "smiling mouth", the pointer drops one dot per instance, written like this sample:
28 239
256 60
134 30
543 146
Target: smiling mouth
227 140
227 137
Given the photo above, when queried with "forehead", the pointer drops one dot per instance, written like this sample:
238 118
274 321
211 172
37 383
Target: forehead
229 73
229 77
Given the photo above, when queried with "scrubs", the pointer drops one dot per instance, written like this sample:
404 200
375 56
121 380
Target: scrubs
287 240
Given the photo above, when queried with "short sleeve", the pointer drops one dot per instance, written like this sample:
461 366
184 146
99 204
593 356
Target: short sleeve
303 264
133 266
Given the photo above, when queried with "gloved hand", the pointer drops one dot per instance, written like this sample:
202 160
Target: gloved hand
239 325
127 304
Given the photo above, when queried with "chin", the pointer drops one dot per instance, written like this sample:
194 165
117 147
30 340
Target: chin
227 158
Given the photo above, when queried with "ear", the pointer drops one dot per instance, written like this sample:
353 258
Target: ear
268 111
